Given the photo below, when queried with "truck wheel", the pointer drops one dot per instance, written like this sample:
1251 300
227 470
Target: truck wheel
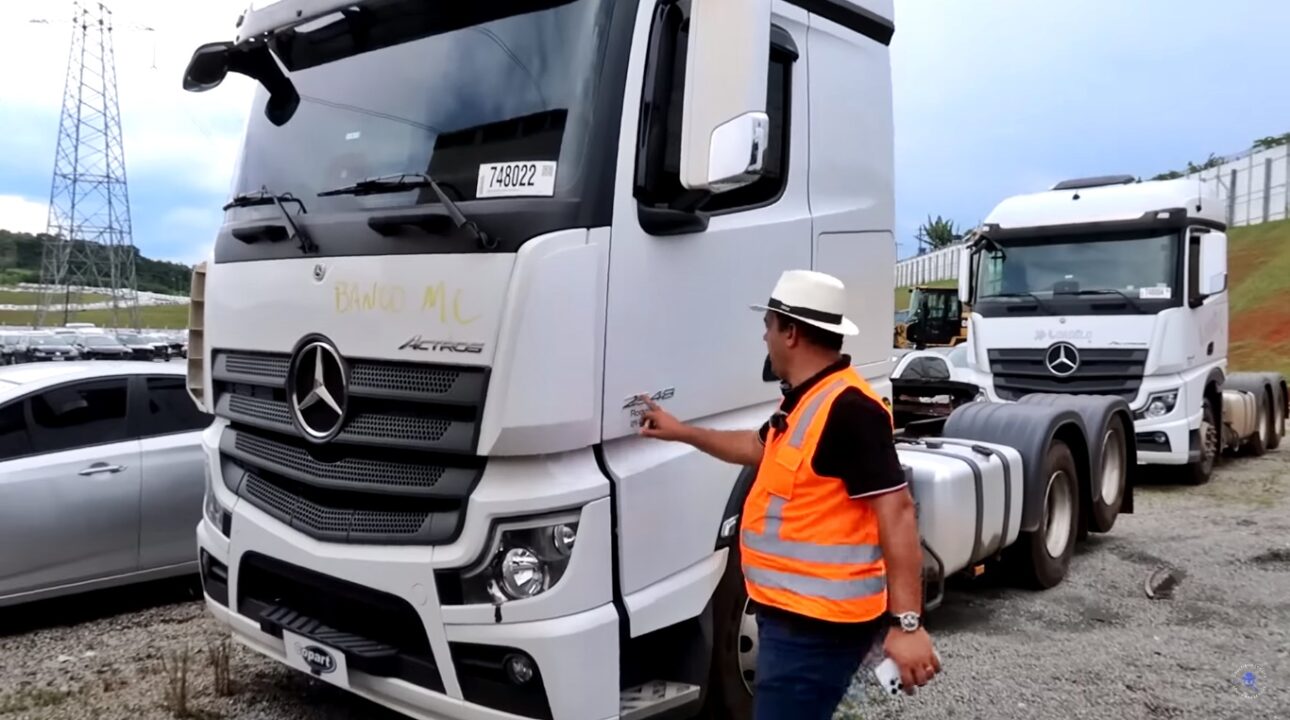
1109 493
1199 472
1045 554
1258 442
734 647
1278 420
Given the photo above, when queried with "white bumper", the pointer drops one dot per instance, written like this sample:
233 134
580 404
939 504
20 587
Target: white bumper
570 631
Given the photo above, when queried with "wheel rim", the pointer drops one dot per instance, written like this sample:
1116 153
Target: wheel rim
1112 468
747 650
1059 523
1264 435
1209 444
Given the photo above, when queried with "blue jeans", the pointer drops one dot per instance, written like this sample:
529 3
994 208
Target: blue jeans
803 671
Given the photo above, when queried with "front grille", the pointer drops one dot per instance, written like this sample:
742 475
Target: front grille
289 503
1103 371
399 471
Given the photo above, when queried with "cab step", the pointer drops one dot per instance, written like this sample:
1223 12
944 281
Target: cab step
655 698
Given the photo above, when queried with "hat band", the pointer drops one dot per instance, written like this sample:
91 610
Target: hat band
806 313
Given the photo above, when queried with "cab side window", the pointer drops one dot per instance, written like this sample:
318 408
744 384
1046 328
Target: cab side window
15 441
80 415
168 408
658 161
1193 267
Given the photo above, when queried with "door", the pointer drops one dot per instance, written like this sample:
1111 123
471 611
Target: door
69 487
170 429
679 325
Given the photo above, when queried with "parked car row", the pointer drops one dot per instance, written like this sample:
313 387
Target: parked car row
88 344
101 476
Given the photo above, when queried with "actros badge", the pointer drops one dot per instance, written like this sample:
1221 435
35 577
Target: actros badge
453 346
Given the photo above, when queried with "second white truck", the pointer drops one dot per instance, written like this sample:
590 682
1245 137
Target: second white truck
1110 286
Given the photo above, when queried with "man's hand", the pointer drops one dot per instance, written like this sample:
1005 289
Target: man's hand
912 653
659 423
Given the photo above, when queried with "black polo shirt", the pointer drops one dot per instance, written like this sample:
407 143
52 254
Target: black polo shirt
857 447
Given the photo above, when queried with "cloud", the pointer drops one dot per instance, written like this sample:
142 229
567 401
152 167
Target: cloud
21 214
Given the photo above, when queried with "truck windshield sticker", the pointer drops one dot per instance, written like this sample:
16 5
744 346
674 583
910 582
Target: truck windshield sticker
516 179
1160 292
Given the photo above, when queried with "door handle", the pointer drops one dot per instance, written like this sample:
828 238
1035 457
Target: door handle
100 469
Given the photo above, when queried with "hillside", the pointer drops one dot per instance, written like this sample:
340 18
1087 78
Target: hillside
1259 279
20 255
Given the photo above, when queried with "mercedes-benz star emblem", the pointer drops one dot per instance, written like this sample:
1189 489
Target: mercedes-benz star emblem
319 391
1062 359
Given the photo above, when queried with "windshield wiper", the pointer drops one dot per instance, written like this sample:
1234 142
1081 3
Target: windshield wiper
264 197
411 181
1111 291
1038 300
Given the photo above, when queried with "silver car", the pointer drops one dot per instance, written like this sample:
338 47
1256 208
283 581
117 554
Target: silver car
101 477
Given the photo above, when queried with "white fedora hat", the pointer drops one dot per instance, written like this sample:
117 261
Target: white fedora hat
812 297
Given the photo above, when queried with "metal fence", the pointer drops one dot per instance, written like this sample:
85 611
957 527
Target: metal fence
940 264
1254 185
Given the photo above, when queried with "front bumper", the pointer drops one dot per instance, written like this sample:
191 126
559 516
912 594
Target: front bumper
1175 431
570 632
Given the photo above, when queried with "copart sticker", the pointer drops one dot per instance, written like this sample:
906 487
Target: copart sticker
516 179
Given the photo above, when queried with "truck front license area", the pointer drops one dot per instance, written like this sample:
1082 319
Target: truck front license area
392 623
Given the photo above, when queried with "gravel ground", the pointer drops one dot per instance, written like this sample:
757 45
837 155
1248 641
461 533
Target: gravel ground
1093 647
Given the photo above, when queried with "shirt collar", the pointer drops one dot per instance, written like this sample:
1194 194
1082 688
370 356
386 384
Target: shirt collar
793 394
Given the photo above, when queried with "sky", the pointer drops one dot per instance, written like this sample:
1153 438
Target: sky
992 98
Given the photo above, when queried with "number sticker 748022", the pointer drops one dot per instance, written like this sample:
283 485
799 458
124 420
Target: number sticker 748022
530 178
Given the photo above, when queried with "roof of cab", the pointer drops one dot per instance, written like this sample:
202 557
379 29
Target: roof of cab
1106 203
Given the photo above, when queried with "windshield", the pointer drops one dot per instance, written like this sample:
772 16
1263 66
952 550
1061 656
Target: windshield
516 88
45 340
97 340
130 339
1120 268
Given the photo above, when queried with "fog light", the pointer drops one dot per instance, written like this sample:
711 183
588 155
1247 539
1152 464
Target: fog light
1160 438
519 669
562 538
523 574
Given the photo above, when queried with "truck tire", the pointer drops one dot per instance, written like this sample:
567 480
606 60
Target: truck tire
1199 472
1258 443
1044 555
734 647
1108 494
1278 417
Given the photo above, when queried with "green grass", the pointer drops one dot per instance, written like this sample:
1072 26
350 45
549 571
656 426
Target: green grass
24 297
1259 283
902 293
171 317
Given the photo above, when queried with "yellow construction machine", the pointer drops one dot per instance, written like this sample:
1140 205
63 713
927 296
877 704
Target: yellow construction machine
935 318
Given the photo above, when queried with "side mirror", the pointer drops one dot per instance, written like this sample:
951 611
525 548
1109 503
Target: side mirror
1213 264
212 62
208 67
965 276
724 125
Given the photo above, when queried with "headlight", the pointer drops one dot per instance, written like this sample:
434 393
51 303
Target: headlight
981 396
524 559
1159 405
211 507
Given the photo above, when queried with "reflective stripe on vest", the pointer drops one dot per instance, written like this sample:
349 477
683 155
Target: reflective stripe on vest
841 581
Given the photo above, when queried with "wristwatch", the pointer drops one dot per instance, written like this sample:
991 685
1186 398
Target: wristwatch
907 621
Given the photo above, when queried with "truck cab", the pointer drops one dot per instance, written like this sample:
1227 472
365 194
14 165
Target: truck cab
1110 286
462 242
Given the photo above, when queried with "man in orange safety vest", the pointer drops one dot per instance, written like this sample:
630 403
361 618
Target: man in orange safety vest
829 541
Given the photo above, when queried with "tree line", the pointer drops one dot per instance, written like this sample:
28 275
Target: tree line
20 258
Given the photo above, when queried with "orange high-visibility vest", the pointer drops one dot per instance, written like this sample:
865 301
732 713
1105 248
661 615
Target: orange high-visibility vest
807 546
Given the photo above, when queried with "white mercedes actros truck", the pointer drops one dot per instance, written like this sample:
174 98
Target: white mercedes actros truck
1111 286
464 239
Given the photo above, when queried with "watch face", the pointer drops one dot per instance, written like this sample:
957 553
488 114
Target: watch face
909 622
